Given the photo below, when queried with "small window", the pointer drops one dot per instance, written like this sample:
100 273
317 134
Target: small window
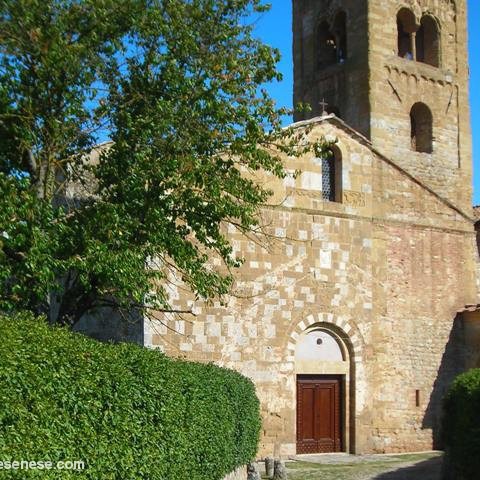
428 42
331 176
406 25
421 132
327 46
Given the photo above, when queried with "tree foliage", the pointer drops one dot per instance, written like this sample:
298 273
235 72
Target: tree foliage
176 86
461 427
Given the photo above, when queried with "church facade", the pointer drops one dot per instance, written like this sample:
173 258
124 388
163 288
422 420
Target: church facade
346 313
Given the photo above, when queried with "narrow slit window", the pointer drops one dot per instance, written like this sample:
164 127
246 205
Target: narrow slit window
328 176
332 188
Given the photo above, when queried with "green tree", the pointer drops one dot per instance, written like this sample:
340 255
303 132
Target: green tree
176 86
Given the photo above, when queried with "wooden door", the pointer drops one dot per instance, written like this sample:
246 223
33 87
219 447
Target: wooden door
319 414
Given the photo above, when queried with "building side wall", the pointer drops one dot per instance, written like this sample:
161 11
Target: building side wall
417 350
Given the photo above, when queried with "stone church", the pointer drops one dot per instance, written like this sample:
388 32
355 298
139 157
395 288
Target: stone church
357 313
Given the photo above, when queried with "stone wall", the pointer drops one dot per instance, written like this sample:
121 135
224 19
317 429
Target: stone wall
386 270
396 84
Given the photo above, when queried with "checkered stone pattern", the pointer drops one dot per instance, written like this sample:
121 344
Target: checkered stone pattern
385 269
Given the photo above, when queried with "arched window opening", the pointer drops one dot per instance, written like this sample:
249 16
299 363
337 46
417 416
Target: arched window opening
428 42
340 33
406 25
421 122
332 176
327 46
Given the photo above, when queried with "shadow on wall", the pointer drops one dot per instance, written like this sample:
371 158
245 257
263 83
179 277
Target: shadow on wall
453 364
426 470
108 325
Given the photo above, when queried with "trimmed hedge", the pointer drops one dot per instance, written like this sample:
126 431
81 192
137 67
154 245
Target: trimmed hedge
128 412
461 427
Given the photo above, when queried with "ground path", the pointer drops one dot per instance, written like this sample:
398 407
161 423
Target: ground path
423 466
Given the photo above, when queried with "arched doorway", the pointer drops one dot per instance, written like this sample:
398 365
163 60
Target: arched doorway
324 381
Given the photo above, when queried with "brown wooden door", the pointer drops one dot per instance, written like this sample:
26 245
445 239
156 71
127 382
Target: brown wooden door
318 414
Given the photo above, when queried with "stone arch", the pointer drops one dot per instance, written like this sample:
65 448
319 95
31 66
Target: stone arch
319 343
406 27
343 366
341 327
427 41
421 128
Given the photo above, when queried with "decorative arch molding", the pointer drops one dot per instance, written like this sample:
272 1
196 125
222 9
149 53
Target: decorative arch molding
422 6
410 19
441 12
419 36
345 330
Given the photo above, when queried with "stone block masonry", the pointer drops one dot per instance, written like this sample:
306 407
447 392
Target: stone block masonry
385 275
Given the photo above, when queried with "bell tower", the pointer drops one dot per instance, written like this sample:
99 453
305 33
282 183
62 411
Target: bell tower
397 72
330 51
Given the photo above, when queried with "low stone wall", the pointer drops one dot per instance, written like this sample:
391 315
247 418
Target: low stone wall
239 474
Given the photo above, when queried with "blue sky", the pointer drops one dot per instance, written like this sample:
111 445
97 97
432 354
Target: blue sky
275 28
